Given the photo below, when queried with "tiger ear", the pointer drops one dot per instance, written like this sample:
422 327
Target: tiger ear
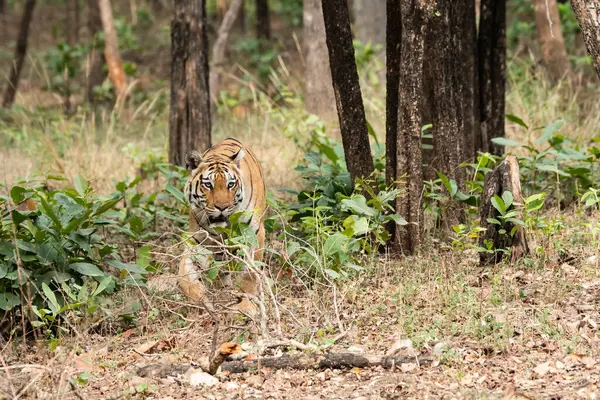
237 157
192 160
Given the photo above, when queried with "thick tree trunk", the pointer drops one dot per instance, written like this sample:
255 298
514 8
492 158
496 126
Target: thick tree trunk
111 49
369 20
415 13
351 112
465 44
492 73
220 46
318 88
504 178
189 122
549 35
447 117
588 16
95 74
263 20
20 53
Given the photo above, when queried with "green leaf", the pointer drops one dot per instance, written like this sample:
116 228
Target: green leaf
105 206
50 212
17 194
507 197
498 204
333 274
335 244
143 259
52 302
398 219
358 204
81 185
175 192
549 131
86 269
358 225
516 120
107 280
132 268
8 301
506 142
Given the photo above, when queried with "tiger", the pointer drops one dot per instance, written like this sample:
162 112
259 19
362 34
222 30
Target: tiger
225 179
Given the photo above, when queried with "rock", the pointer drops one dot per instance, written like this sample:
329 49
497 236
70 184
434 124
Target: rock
231 386
255 381
440 348
197 377
357 348
399 345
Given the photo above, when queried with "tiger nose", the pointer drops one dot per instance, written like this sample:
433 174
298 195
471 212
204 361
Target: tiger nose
221 207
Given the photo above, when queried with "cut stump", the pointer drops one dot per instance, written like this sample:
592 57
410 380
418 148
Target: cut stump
504 178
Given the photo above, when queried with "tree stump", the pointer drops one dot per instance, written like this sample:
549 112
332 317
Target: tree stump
504 178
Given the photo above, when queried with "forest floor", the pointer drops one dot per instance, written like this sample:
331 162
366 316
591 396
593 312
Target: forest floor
499 333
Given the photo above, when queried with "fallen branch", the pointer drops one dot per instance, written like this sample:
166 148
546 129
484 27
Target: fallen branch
303 361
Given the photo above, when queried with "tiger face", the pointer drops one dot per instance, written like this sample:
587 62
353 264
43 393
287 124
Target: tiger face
214 187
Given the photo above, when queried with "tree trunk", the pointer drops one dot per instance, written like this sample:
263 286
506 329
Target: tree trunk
492 74
369 21
263 20
302 361
447 118
3 18
414 14
318 88
111 49
588 16
72 21
189 122
549 35
242 18
348 98
393 51
20 53
220 46
465 44
95 74
504 178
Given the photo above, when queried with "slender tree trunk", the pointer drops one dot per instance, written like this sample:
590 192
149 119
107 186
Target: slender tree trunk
111 49
3 18
348 98
20 53
72 24
588 16
550 37
369 21
448 136
492 73
263 19
408 239
95 62
189 122
393 51
318 90
220 46
242 18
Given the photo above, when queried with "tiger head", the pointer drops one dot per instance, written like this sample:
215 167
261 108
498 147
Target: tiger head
215 185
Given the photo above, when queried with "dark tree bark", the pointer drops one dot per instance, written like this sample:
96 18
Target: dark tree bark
369 20
492 74
465 44
447 118
393 51
95 75
20 52
220 46
189 122
549 35
504 178
263 19
588 16
414 14
318 88
72 21
348 98
393 48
